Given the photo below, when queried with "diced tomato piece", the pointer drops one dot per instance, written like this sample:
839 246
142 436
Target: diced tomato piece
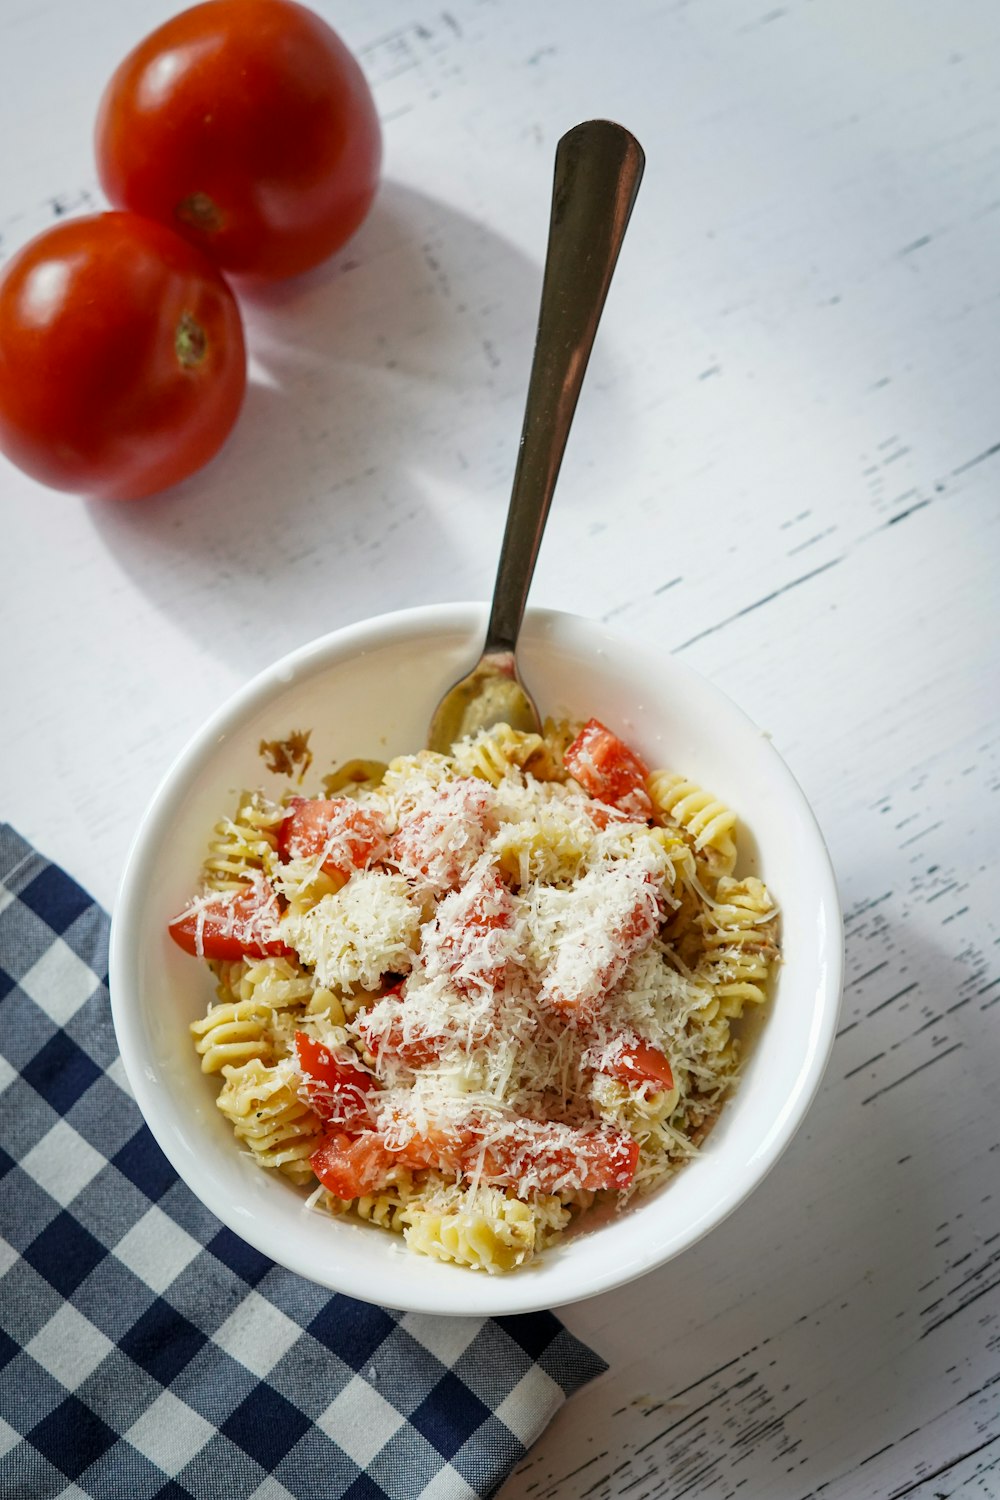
230 925
338 833
465 940
443 1149
437 847
334 1086
382 1030
607 769
532 1157
634 932
558 1158
352 1165
639 1062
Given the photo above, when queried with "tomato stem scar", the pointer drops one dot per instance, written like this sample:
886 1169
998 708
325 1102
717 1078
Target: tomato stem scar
190 343
200 212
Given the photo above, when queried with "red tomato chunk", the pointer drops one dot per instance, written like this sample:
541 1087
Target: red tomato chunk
339 834
350 1166
334 1086
383 1032
607 769
639 1062
632 930
437 848
466 939
533 1157
232 925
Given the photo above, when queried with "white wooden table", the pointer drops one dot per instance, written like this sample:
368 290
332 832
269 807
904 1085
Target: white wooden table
785 467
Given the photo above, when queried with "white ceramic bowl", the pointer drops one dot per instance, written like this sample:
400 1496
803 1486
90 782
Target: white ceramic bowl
368 690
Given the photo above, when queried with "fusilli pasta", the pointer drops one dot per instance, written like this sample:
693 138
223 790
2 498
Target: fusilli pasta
244 844
511 994
710 824
269 1117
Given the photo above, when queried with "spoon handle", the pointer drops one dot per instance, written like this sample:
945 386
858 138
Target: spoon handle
597 174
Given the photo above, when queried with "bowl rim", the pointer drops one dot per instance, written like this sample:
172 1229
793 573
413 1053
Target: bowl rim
376 632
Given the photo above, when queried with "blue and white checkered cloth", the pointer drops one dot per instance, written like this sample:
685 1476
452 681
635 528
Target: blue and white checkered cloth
145 1351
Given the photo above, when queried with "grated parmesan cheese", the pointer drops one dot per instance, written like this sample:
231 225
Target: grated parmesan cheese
353 937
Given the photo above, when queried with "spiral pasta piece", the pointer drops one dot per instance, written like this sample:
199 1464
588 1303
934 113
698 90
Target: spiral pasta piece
558 735
491 754
324 1002
740 944
268 1116
708 821
244 845
233 1033
228 977
541 848
303 883
276 982
492 1234
386 1208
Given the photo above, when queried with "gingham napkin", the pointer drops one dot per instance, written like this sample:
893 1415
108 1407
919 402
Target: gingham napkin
145 1351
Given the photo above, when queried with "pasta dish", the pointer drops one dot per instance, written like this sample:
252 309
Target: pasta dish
466 998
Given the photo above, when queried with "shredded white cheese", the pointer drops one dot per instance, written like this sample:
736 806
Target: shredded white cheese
353 937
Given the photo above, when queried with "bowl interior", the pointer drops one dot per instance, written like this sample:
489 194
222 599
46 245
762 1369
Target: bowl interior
368 691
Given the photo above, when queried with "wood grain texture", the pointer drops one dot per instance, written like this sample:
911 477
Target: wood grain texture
785 467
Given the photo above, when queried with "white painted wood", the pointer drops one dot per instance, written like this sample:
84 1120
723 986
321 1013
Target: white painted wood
785 466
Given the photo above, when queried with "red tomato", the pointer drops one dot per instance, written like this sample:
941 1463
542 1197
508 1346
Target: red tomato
437 848
345 836
466 938
334 1087
556 1158
550 1157
444 1149
351 1166
389 1040
639 1062
122 365
607 769
232 925
248 126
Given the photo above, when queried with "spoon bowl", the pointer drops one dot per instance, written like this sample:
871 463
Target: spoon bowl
492 693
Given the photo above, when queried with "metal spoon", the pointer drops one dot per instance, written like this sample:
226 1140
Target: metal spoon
597 174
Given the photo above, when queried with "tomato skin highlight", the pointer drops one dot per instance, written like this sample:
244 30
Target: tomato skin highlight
247 126
122 362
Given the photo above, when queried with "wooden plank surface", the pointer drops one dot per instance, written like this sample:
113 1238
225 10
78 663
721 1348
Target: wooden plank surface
785 467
